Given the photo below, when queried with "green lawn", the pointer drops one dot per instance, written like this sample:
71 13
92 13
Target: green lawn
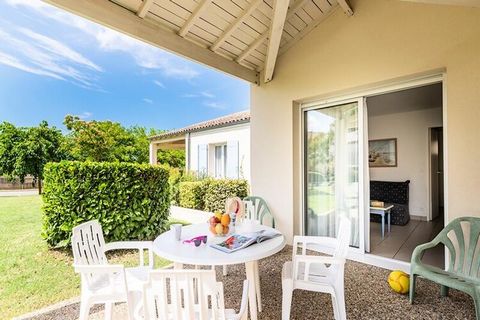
321 199
32 275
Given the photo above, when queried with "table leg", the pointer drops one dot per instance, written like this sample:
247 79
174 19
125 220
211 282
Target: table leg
383 225
257 284
252 289
388 213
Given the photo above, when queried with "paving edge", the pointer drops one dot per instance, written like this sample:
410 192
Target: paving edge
48 309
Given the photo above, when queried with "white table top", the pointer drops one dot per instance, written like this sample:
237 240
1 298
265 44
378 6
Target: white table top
167 247
382 208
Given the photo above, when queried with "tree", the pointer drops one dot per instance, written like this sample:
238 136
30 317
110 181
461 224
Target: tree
25 151
174 158
99 140
10 137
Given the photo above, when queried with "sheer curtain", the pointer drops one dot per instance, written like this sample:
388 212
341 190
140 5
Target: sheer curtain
332 169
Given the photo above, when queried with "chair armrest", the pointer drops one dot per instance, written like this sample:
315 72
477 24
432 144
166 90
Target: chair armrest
319 259
417 252
137 245
125 245
98 268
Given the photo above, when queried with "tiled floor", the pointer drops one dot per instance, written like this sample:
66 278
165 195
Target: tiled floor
402 240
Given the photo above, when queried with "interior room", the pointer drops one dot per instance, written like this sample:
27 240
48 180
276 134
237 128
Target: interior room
406 172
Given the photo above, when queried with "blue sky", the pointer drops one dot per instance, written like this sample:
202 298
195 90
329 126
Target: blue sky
53 63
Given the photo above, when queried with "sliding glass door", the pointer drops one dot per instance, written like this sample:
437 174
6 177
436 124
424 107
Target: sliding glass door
332 179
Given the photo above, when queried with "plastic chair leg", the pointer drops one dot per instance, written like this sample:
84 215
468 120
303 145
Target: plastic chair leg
413 280
109 310
444 291
287 293
84 310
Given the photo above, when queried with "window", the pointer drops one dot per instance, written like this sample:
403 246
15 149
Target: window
221 161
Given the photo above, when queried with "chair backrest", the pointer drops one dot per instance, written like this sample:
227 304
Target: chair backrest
183 295
461 237
88 245
257 209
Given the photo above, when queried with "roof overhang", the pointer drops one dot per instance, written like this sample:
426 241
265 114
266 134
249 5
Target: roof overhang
242 38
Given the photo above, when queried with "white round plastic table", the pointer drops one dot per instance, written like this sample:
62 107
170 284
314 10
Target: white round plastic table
167 247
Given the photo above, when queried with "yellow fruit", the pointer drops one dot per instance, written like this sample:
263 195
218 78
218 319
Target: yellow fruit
219 228
225 220
399 281
218 214
212 230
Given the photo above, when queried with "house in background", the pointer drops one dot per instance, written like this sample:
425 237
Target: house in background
218 148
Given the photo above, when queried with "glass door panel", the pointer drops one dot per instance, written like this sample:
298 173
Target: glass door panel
331 156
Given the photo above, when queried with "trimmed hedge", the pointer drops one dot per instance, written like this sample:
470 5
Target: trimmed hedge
218 191
210 195
131 201
192 194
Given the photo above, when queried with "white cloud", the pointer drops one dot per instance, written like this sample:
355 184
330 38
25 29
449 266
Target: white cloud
203 94
214 105
84 115
144 55
13 62
146 100
160 84
57 48
46 57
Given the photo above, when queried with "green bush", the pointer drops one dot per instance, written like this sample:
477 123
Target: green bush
174 179
210 194
192 194
218 191
131 201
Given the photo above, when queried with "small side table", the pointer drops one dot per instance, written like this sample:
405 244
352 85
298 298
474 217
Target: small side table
382 211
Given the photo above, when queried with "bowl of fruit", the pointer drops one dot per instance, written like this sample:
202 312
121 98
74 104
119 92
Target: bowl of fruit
219 224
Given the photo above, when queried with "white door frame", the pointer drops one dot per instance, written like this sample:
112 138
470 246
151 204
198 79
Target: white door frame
400 84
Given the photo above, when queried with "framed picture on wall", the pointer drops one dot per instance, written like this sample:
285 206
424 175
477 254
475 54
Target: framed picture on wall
382 153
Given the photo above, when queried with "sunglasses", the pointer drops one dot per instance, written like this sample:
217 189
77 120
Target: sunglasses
197 240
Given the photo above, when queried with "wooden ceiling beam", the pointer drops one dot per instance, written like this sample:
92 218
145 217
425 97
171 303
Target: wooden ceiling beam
144 7
345 7
280 8
293 10
232 27
123 20
194 17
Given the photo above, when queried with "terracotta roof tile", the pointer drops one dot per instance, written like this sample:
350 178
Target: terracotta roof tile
231 119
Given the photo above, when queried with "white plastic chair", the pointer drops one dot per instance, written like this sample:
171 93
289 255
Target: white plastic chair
102 282
188 295
318 273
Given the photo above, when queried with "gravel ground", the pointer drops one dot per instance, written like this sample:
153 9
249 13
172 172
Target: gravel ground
368 296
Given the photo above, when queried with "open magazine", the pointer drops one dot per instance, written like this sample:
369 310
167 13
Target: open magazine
239 241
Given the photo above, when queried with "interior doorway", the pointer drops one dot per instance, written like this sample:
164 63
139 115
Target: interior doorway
406 171
436 173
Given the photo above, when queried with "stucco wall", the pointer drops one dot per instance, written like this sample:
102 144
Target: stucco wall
240 133
411 131
383 40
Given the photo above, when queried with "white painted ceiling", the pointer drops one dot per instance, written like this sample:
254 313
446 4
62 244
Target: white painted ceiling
426 97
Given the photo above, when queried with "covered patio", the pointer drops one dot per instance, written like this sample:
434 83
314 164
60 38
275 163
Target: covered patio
295 59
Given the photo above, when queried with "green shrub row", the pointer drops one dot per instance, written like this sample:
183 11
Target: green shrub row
131 201
209 194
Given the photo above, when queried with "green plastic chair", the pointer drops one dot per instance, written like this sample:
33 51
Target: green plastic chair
260 210
464 263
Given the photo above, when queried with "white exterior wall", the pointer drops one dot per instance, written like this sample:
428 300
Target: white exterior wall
412 152
240 133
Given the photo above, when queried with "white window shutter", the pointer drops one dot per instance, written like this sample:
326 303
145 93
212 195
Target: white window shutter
232 160
202 159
